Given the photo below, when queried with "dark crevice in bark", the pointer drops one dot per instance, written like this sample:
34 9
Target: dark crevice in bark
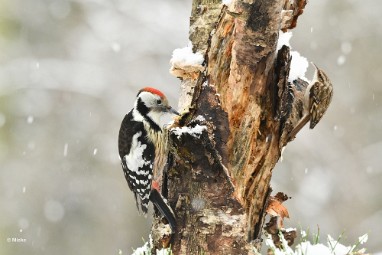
219 179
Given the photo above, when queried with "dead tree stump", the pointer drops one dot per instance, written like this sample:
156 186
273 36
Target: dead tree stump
238 108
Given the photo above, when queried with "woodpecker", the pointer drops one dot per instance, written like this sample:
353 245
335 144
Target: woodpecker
142 145
318 96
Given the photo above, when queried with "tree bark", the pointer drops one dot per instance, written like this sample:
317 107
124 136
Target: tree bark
238 112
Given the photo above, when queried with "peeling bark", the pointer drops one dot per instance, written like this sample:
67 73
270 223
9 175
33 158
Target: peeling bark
219 179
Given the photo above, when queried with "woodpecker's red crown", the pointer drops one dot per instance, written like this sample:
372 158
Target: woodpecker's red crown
153 91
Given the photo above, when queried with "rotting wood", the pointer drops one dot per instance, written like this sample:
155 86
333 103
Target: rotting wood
219 180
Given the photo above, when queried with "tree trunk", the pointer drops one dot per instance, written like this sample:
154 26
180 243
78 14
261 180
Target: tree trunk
238 112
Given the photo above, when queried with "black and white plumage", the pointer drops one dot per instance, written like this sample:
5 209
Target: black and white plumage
142 146
136 152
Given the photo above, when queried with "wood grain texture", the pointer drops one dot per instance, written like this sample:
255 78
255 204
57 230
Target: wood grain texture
219 182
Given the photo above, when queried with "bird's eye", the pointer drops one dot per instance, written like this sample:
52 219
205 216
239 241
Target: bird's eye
159 101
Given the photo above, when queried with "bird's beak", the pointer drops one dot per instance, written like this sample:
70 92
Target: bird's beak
171 110
313 64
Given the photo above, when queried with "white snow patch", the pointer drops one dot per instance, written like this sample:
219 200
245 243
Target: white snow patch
269 243
298 67
312 249
200 118
194 131
363 239
24 189
95 151
185 57
226 2
164 251
299 64
185 61
338 248
332 247
284 39
145 249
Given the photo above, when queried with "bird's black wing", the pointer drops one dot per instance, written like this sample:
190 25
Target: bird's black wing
137 157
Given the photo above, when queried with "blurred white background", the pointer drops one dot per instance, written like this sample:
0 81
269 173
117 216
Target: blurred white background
70 70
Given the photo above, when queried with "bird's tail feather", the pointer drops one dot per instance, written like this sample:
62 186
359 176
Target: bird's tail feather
166 211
